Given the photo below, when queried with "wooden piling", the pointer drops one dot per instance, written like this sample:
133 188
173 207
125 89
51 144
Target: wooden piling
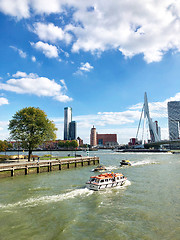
38 168
12 172
26 170
59 166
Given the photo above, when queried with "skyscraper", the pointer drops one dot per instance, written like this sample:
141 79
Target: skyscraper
67 120
174 119
72 130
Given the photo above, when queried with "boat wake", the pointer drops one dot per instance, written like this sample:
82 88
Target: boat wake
144 162
112 168
127 183
32 202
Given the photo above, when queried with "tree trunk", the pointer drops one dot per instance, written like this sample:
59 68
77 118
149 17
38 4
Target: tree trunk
29 155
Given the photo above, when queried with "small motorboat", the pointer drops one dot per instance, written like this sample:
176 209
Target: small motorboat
99 168
106 180
125 163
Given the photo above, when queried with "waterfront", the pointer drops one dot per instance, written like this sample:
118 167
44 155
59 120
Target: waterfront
57 205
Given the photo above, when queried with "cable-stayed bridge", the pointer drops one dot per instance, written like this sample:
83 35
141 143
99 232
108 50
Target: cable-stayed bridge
154 130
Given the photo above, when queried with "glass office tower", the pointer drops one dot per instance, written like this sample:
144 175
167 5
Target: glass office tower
72 130
174 119
67 120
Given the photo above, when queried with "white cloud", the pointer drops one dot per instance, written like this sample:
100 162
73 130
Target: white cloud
19 74
3 101
48 50
150 28
15 8
24 75
63 84
85 67
21 53
35 85
50 32
33 58
46 6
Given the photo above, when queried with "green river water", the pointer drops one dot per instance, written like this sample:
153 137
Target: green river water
57 205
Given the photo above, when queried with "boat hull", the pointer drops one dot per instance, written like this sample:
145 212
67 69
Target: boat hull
98 187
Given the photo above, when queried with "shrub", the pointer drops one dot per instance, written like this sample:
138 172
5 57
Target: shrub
47 155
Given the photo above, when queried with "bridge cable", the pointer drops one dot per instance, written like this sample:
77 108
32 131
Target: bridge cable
140 121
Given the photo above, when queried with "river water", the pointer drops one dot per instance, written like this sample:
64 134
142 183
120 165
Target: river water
57 205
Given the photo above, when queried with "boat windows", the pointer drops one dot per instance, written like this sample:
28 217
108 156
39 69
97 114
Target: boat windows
92 179
102 180
106 180
117 178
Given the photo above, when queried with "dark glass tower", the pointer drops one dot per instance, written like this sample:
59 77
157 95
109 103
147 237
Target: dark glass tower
72 130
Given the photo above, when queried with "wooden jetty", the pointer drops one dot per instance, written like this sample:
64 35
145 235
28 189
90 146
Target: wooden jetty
26 168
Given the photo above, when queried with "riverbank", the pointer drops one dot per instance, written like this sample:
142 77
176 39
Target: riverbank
143 150
11 169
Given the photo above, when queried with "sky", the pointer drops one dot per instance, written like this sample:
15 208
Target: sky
98 57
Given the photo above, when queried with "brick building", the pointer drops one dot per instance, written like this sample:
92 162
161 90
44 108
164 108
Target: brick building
108 140
93 137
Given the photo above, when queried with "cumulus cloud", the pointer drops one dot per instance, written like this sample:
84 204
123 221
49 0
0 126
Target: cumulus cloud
48 50
19 74
15 8
21 53
3 101
35 85
85 67
150 28
50 32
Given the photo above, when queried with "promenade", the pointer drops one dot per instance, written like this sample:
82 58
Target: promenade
21 167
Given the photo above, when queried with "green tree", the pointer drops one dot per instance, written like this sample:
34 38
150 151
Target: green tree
61 144
67 144
4 145
32 127
73 144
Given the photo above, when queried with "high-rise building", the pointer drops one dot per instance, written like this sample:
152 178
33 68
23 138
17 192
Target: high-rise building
93 138
174 119
72 130
67 120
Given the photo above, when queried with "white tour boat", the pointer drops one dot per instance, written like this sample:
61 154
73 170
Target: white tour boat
106 180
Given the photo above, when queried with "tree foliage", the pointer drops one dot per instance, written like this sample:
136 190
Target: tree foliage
68 144
31 126
73 144
4 145
61 144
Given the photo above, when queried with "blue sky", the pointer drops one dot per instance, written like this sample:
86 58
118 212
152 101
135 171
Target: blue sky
98 57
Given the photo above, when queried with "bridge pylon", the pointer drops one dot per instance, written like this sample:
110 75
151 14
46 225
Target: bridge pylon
154 130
